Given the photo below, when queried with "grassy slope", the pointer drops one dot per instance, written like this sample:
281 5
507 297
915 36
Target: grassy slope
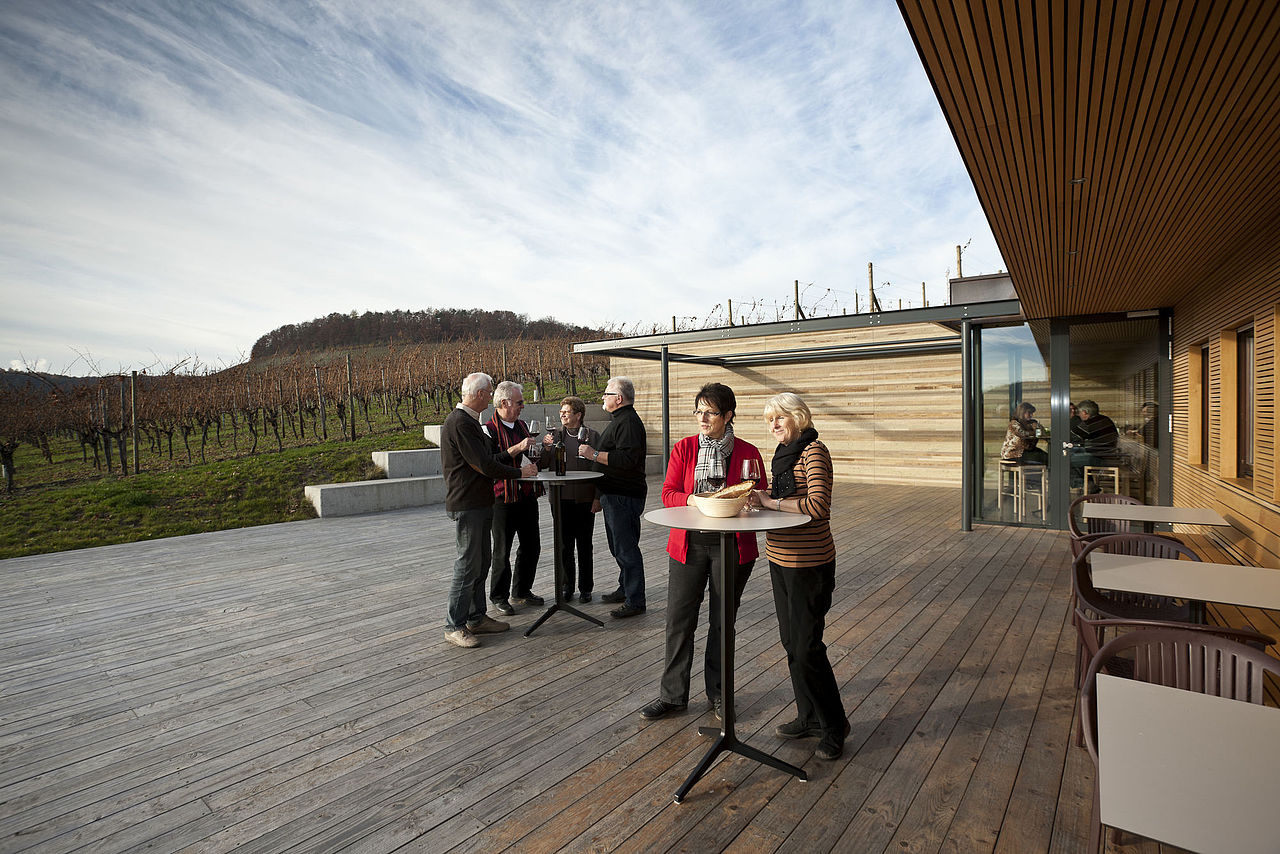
70 504
231 493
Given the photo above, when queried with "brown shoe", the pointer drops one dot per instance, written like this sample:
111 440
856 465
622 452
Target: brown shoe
487 626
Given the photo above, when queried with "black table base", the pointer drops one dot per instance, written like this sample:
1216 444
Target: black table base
558 562
726 740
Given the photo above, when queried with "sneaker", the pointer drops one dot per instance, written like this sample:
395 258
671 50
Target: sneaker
797 729
503 607
462 638
626 611
661 708
615 597
831 747
584 598
528 599
487 626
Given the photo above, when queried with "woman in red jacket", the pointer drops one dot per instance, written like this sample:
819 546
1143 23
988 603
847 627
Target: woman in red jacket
700 463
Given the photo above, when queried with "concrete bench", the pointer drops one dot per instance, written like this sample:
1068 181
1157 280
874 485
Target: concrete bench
419 463
375 496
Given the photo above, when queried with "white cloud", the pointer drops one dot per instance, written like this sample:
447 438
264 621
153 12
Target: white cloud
185 179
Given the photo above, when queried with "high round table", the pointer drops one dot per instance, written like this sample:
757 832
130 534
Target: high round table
554 482
692 519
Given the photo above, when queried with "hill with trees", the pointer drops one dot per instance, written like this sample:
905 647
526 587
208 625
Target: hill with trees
412 327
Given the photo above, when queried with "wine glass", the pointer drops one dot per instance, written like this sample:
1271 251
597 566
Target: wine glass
751 471
535 429
582 433
715 482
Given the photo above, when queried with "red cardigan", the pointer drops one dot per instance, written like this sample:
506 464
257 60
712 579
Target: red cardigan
678 486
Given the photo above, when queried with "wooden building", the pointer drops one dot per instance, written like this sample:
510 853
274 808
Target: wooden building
1126 157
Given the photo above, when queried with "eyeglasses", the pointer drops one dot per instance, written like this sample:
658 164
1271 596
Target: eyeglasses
707 413
612 394
516 402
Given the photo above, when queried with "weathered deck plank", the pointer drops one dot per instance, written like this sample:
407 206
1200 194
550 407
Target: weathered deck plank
288 688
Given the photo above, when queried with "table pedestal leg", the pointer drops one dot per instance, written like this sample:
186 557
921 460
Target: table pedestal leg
558 562
726 740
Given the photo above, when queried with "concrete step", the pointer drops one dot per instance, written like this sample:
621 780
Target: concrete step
418 463
375 496
413 480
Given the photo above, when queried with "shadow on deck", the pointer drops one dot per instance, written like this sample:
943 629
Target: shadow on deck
288 688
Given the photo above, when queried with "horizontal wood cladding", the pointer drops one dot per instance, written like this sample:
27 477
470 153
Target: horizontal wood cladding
1244 289
886 419
1121 151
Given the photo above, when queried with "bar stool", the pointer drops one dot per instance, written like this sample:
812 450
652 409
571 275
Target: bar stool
1008 484
1026 492
1102 472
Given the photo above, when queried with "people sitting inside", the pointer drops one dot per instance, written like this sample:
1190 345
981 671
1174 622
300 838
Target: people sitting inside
1020 441
1095 442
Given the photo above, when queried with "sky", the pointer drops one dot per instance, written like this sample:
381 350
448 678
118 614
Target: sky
180 177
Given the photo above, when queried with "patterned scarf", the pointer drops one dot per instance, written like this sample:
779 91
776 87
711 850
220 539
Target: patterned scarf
713 460
511 490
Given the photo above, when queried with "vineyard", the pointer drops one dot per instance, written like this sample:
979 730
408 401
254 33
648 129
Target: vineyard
126 424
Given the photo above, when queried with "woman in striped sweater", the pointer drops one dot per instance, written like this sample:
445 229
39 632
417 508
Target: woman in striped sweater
802 565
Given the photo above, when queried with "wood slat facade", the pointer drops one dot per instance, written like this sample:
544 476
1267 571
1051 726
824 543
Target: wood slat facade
886 419
1121 151
288 688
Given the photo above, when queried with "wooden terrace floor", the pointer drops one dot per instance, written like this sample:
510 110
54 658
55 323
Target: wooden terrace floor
288 688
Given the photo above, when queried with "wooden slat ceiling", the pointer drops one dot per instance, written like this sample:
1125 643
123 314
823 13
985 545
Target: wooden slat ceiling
1120 149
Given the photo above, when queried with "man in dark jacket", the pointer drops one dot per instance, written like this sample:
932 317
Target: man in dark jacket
1096 442
622 490
469 468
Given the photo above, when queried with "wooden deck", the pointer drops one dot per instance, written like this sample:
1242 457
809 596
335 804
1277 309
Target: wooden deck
289 688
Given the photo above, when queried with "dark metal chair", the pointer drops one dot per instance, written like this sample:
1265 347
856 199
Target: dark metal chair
1117 605
1191 660
1095 527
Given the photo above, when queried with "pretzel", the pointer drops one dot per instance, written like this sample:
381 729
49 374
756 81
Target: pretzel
738 490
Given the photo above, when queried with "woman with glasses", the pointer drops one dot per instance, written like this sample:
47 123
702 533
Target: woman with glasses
802 566
708 460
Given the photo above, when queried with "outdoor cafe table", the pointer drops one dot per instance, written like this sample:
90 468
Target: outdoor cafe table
1187 769
1150 514
1229 583
554 482
691 519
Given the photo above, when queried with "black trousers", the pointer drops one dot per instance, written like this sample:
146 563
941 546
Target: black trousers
509 520
685 585
577 527
802 598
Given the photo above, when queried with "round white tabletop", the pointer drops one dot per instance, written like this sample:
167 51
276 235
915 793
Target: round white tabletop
693 519
552 477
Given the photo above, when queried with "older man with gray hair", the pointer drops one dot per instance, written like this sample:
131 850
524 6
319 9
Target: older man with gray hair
470 469
622 491
515 506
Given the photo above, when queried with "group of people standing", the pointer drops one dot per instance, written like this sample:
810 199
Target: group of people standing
490 507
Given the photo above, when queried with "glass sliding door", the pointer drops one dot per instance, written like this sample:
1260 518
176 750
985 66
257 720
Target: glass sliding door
1012 407
1118 391
1062 407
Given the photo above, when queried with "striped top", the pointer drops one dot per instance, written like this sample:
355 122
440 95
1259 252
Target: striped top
809 544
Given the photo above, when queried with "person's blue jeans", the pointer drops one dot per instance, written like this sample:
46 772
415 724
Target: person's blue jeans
622 528
475 549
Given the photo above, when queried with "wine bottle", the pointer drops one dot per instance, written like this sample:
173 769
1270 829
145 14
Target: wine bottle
560 456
